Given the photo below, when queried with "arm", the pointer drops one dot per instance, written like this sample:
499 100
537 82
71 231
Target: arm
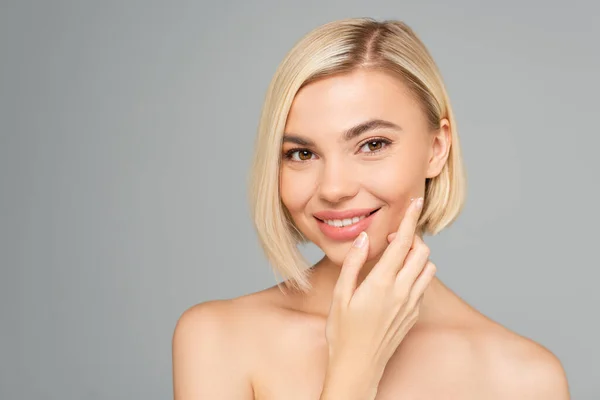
206 360
368 320
350 380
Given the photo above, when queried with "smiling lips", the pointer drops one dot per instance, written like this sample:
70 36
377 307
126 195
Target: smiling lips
344 225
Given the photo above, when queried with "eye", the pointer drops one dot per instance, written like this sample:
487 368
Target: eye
374 145
298 155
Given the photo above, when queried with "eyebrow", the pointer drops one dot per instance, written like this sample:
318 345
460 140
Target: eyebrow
350 134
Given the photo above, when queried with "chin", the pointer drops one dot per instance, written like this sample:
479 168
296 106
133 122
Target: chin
337 253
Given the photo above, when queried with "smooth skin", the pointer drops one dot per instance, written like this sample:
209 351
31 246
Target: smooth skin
377 324
371 320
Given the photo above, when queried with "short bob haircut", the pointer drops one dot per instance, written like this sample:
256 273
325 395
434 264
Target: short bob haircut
333 48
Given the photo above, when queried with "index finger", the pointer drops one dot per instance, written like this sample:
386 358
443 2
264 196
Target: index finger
393 257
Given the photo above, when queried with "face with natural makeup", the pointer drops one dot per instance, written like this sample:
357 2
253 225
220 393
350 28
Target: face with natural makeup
327 166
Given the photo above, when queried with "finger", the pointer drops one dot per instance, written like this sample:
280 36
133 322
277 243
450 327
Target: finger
421 283
391 236
353 262
410 256
393 256
414 264
419 301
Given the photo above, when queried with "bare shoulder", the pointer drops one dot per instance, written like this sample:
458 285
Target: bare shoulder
465 343
519 366
212 348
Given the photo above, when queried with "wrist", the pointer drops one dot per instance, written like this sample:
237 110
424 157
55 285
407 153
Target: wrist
351 379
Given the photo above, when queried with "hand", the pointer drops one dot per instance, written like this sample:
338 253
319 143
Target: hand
366 324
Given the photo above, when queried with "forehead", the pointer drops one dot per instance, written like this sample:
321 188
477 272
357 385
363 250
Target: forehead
333 104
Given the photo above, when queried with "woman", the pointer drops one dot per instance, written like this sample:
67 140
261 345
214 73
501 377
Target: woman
356 124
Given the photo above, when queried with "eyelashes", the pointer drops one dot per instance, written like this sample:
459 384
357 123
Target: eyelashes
289 155
296 154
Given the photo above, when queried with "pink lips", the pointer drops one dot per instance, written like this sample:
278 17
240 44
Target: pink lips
344 232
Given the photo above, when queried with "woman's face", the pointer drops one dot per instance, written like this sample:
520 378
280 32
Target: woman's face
353 144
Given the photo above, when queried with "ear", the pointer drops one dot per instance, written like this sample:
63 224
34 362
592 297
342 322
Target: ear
440 142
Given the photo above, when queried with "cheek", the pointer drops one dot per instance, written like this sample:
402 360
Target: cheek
295 188
391 181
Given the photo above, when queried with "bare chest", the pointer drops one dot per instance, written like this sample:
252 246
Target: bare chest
296 370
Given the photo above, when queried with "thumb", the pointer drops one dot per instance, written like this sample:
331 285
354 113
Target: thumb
356 257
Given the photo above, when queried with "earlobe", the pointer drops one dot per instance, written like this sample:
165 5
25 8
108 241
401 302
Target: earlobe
440 149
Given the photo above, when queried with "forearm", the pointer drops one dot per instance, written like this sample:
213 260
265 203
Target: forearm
350 381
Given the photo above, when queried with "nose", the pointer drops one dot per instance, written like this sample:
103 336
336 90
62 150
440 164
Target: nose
337 182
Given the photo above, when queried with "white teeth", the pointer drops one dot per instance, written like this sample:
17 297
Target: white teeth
343 222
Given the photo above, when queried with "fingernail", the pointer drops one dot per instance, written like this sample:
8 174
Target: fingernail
360 240
419 203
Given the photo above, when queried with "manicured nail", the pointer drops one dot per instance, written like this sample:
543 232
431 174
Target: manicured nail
419 203
360 240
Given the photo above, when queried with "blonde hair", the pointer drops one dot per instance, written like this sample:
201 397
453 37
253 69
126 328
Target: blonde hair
338 47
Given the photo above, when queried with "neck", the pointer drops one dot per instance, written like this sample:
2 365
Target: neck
325 274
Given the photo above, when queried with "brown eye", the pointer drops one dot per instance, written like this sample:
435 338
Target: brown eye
304 155
374 146
299 155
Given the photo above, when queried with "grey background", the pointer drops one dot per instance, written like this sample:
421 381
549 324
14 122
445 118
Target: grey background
126 131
